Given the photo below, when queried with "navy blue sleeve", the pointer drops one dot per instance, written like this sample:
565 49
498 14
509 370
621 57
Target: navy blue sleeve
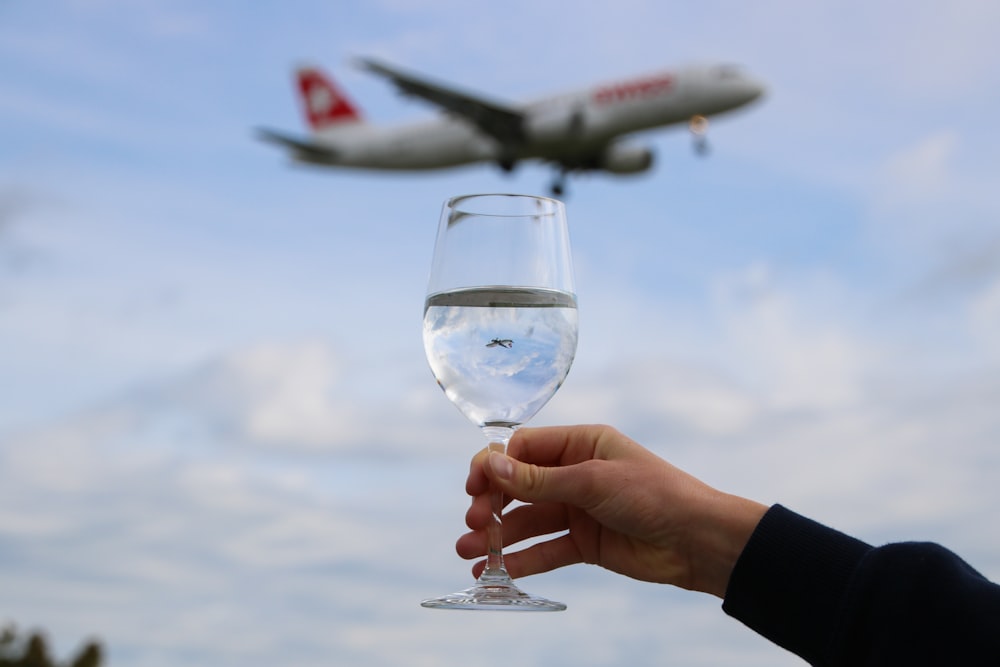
837 601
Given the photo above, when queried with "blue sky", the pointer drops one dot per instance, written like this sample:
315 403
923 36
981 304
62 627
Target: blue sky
220 443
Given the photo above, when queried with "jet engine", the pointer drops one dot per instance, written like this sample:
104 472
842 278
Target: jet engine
622 159
615 159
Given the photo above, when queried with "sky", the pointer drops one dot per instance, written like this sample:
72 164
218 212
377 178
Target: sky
220 443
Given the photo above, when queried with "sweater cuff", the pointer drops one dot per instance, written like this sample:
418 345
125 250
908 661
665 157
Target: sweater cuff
790 582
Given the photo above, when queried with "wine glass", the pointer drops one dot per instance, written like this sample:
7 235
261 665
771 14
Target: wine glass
500 332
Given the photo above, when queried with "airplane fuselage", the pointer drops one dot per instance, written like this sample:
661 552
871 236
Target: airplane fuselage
433 144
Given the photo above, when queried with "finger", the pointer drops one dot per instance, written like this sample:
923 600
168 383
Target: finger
547 446
527 521
543 557
561 445
538 558
471 545
579 485
477 482
519 524
480 512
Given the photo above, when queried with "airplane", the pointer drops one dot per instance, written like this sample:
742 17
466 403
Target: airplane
585 130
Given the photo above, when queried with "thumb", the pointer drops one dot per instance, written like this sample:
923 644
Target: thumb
531 483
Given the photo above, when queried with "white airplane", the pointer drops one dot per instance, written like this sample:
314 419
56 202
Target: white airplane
576 131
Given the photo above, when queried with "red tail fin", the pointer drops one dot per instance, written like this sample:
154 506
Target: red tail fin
323 103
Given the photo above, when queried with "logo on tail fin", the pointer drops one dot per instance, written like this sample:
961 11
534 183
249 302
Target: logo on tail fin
323 103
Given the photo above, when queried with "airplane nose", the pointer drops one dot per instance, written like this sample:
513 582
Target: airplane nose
754 89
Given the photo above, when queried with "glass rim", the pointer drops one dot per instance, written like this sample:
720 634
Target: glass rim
552 205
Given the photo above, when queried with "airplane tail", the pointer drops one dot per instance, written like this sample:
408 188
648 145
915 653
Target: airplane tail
324 105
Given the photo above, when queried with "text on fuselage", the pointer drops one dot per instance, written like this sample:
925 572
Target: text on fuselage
632 90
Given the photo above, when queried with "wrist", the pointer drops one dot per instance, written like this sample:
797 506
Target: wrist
724 532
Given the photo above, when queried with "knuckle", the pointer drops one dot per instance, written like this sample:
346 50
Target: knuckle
534 479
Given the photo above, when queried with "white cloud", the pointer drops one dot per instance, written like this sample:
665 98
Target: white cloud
941 49
791 342
923 172
305 395
984 320
760 342
935 190
280 393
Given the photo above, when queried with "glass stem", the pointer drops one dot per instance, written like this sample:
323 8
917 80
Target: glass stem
495 571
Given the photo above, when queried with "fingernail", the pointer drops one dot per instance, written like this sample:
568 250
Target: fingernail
502 466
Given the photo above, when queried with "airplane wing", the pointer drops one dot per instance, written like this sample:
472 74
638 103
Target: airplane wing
506 124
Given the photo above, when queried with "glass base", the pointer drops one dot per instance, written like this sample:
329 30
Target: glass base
498 594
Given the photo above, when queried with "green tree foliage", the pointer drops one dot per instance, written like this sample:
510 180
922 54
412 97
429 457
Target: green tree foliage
18 651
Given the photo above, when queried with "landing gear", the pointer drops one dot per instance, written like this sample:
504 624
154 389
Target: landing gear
701 146
699 127
558 187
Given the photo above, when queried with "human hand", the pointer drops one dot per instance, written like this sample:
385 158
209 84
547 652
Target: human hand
624 508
